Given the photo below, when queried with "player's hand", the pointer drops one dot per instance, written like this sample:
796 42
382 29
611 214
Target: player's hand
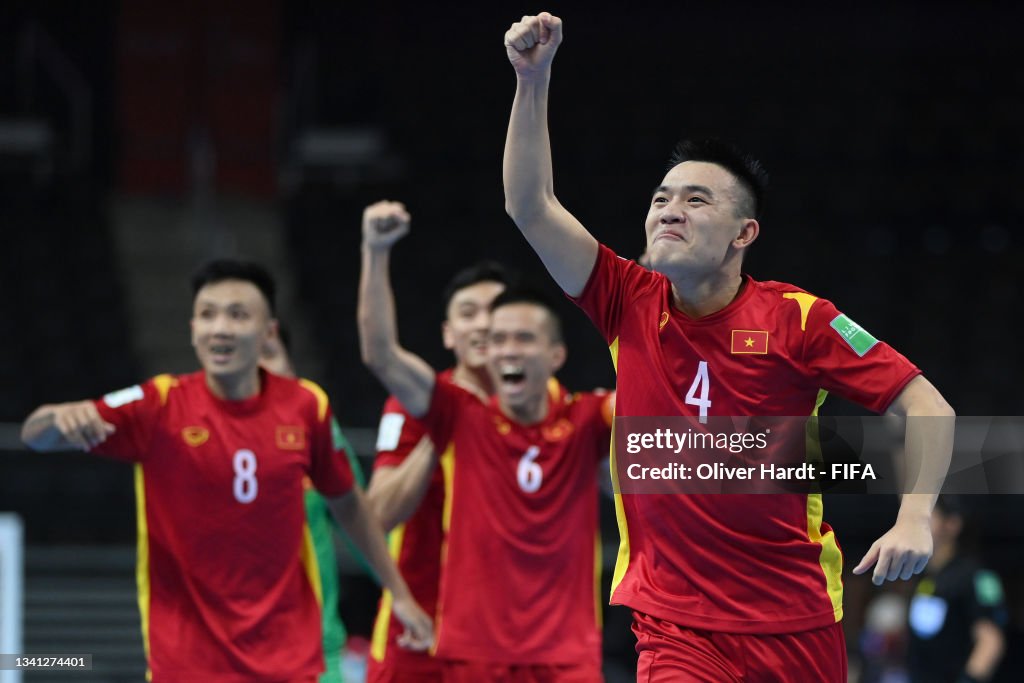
532 42
80 424
419 628
384 223
901 552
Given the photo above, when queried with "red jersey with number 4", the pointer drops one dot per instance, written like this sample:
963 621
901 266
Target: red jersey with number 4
521 568
739 563
415 544
226 567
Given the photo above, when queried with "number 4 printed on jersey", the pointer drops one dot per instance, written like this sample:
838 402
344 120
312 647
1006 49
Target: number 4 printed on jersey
702 385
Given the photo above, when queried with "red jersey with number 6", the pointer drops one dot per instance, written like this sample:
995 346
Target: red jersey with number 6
742 563
226 568
520 577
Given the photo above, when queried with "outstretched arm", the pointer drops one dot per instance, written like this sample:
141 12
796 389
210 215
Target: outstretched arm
405 374
65 426
905 549
362 527
563 244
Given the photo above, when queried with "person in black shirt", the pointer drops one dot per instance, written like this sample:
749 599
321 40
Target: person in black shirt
957 613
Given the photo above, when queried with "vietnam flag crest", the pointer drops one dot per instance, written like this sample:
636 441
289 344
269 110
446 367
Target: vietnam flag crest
291 438
749 341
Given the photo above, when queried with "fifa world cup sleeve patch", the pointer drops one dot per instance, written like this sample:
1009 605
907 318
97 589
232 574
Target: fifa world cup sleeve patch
390 431
859 339
116 399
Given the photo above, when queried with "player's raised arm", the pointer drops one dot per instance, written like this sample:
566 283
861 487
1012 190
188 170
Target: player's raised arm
363 528
405 374
904 550
65 426
563 244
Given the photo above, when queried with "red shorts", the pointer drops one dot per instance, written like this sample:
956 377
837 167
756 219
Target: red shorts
391 671
457 671
676 654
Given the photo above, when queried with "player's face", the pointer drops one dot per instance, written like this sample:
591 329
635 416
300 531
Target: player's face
469 318
693 220
230 325
522 355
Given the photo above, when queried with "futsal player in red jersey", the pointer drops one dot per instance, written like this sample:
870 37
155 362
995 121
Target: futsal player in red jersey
407 489
226 571
723 587
519 577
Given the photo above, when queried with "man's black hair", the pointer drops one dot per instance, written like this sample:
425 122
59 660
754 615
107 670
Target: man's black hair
483 271
749 172
233 269
528 294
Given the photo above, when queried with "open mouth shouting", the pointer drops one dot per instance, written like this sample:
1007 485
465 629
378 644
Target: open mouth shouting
513 376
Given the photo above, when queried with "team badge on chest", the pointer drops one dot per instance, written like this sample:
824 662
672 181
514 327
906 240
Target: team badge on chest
290 437
195 436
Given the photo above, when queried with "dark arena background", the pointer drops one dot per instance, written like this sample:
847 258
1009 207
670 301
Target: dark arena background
139 139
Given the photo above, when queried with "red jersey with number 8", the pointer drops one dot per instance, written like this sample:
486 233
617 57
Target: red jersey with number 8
226 568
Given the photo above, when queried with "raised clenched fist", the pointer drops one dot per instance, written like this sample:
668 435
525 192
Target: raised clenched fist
531 43
384 223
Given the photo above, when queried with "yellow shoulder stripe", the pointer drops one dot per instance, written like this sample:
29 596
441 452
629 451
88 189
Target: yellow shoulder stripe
321 397
553 389
805 301
163 384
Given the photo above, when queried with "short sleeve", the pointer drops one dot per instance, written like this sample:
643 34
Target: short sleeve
989 601
330 468
342 443
397 434
613 285
134 412
846 359
447 401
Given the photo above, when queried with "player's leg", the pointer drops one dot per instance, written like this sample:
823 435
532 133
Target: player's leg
669 653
